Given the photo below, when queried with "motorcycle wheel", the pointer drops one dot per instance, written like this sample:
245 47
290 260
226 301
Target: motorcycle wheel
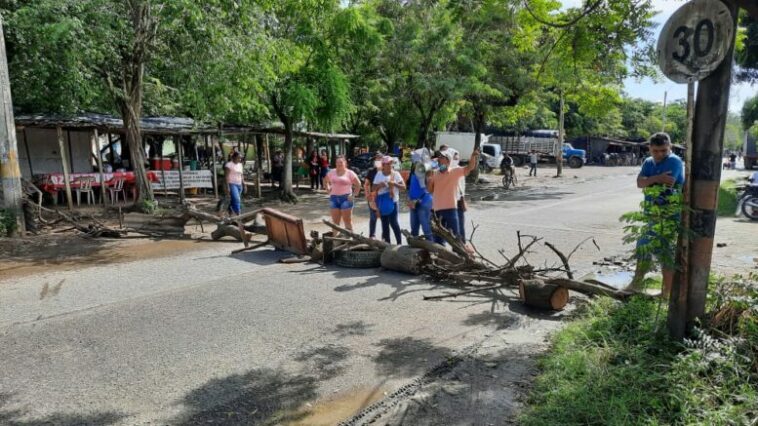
506 181
750 208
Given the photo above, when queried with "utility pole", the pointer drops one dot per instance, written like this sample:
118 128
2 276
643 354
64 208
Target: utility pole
10 172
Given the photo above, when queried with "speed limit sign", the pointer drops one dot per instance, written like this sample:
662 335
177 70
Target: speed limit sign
695 40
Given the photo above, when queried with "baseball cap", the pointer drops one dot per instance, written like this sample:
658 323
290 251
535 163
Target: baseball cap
386 159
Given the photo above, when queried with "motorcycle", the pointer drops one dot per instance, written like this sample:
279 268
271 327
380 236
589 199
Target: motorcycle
748 200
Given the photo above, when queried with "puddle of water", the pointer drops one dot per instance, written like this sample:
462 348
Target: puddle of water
617 280
340 407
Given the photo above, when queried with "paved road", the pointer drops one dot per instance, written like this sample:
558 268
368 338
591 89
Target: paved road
212 338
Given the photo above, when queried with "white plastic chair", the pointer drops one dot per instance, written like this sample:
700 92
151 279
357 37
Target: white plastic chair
85 187
118 186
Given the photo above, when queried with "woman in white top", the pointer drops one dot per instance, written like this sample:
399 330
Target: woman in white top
234 182
388 183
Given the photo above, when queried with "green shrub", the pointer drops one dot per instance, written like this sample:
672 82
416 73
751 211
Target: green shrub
612 366
727 198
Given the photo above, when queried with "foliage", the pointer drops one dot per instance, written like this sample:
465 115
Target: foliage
611 367
727 198
657 225
746 52
148 206
750 113
7 223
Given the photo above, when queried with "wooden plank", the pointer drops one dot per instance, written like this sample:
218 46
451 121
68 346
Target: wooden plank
66 171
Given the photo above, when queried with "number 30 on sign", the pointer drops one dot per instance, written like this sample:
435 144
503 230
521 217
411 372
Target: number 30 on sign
695 40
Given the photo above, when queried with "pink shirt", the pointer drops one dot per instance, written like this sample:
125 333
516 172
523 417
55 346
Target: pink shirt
341 185
445 194
233 173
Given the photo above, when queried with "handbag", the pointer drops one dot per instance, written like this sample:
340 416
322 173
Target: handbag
462 205
385 203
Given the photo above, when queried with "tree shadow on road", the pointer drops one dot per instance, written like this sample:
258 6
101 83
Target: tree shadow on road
499 320
17 417
354 328
408 357
325 361
261 396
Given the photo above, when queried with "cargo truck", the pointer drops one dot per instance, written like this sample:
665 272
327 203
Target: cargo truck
518 147
749 151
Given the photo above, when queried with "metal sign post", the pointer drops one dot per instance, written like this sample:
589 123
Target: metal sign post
697 44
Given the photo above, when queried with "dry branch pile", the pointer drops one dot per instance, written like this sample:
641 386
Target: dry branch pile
463 266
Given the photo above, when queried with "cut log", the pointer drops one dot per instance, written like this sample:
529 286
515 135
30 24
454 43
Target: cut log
377 244
592 288
538 294
405 259
432 247
229 231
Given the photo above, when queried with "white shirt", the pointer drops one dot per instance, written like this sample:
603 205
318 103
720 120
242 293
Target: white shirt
533 158
394 176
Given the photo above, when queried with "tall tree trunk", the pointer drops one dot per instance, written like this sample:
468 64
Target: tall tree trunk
288 194
137 154
559 146
478 125
11 191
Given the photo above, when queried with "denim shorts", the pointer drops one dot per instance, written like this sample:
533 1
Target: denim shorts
340 202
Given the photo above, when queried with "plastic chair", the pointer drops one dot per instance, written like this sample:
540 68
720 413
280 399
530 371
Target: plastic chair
85 187
118 186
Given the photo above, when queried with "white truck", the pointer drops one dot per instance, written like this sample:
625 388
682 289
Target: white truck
463 142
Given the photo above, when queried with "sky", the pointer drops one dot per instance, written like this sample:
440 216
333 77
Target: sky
654 91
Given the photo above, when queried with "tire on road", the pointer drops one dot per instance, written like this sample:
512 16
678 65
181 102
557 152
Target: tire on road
748 210
575 162
358 259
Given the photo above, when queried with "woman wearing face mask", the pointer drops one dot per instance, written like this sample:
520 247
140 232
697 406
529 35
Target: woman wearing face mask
343 186
388 185
444 188
419 199
371 195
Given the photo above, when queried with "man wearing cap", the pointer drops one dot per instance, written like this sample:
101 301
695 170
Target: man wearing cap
661 179
444 186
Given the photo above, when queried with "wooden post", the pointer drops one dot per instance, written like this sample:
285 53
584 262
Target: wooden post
11 189
258 164
663 119
214 177
181 168
66 172
113 153
677 316
707 145
28 153
268 158
96 143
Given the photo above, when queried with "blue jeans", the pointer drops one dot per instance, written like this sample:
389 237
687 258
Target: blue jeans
421 217
449 219
372 223
388 221
462 225
235 193
340 202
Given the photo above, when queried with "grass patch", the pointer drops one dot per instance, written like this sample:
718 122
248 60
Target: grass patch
727 198
615 366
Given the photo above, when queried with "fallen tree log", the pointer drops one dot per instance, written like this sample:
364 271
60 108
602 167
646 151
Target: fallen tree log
224 230
539 294
405 259
377 244
592 288
432 247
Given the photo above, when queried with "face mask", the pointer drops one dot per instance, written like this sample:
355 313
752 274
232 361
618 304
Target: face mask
378 164
443 168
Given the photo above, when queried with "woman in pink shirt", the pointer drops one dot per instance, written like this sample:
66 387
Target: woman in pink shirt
234 182
343 185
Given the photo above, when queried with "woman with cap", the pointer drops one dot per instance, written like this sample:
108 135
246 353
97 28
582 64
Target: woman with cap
419 198
343 185
388 184
444 188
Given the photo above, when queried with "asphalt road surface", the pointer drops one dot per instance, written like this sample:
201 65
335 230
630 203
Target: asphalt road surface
209 338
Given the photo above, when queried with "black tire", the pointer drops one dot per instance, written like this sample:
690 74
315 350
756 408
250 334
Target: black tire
358 259
506 181
575 162
518 160
748 210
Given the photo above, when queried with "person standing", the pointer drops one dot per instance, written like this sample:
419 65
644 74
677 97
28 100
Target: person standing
323 164
661 177
234 183
533 160
388 184
371 195
733 161
444 189
313 170
343 185
277 167
419 198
